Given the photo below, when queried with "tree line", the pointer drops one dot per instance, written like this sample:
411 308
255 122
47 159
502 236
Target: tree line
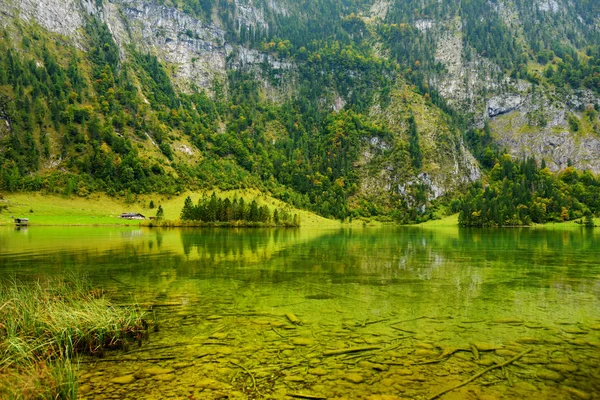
523 192
215 209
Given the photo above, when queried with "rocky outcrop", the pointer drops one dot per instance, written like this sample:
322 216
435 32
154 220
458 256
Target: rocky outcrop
65 17
195 49
558 149
464 80
503 104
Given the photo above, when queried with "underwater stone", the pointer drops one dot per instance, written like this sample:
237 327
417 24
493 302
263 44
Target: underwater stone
294 378
464 356
208 383
486 362
370 365
426 353
481 346
158 371
426 346
303 341
180 365
577 393
578 342
84 389
528 340
575 331
549 375
506 353
564 368
318 371
354 378
123 380
219 335
164 377
533 360
403 371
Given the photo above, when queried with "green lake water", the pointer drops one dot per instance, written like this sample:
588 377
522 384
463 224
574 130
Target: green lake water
266 313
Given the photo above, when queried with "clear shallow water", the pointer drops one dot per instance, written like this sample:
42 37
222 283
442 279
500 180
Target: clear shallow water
413 295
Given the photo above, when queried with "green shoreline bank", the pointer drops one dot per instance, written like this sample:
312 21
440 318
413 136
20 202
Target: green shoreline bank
47 325
101 210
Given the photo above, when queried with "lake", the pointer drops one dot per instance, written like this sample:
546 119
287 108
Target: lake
374 313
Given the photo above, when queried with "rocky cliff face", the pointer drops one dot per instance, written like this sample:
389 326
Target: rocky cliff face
196 50
527 121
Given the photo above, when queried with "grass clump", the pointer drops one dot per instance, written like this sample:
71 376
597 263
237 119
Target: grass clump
45 325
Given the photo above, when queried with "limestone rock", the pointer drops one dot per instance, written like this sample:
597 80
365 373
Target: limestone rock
354 378
123 380
158 371
549 375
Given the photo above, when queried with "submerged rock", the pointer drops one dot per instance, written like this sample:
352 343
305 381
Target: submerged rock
83 389
181 365
533 360
561 360
403 371
123 380
318 371
294 378
577 393
426 353
575 331
303 341
486 362
164 377
506 353
354 378
549 375
207 383
426 346
370 365
482 346
218 335
158 371
528 340
564 368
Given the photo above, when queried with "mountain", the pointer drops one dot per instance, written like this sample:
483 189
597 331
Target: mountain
345 107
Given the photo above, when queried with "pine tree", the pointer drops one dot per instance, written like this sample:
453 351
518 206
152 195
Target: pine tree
413 143
160 214
187 212
589 219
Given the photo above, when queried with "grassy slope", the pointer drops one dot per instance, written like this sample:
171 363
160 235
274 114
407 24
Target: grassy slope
99 209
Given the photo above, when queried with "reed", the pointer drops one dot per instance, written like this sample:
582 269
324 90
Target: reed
45 325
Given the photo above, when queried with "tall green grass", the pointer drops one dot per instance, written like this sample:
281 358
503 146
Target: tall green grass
45 325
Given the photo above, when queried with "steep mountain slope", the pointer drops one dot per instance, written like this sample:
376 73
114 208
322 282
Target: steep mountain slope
144 96
348 108
529 69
